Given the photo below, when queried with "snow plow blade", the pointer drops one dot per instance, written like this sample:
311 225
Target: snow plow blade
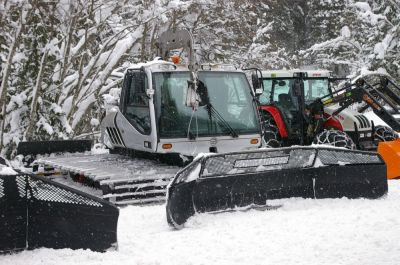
49 147
390 152
233 180
36 212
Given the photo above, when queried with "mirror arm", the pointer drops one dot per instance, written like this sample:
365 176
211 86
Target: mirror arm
256 79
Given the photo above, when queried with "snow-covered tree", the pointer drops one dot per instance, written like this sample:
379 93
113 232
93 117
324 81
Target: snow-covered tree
59 58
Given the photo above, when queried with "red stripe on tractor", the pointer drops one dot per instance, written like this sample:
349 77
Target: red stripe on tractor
275 113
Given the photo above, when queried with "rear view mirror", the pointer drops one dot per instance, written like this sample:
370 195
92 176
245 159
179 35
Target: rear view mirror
282 83
256 80
257 86
202 92
196 97
192 98
259 91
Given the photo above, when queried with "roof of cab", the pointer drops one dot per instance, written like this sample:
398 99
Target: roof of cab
291 73
163 66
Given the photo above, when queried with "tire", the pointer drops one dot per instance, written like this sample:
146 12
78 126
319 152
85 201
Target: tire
334 138
271 132
384 134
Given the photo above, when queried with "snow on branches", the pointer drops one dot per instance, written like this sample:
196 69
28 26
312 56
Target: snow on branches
61 61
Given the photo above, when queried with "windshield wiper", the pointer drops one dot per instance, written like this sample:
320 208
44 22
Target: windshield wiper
202 91
214 113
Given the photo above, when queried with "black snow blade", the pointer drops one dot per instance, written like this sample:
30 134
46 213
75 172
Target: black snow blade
49 147
36 212
230 181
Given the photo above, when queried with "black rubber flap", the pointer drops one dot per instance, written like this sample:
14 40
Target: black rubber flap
49 147
36 212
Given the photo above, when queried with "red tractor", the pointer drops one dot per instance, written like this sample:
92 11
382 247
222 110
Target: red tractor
299 107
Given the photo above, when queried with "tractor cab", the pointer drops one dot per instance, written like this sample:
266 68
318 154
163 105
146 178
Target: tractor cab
279 87
289 100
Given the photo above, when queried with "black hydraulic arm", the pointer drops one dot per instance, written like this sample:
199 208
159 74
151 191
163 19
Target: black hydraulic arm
390 90
372 96
380 111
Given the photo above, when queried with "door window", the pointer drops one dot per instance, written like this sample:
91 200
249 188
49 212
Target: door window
136 108
265 97
316 88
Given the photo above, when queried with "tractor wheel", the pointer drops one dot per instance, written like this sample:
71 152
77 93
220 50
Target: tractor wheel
384 134
335 138
271 132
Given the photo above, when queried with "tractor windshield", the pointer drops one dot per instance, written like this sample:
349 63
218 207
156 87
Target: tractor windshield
315 88
275 90
233 111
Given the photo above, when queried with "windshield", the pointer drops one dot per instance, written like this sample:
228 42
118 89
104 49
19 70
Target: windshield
229 95
313 88
281 87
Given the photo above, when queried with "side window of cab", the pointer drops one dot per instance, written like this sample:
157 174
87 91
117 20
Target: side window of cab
135 103
265 97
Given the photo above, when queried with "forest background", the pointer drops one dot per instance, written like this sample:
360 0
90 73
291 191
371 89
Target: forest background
62 59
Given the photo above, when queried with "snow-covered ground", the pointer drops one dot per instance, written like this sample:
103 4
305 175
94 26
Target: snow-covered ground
303 231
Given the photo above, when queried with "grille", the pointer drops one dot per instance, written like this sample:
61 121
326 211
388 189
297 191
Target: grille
262 161
330 157
1 188
115 136
21 184
43 191
363 121
257 161
217 165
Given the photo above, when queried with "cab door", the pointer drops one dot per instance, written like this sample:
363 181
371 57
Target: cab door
135 121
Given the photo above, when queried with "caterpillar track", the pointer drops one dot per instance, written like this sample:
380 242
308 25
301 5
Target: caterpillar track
121 180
